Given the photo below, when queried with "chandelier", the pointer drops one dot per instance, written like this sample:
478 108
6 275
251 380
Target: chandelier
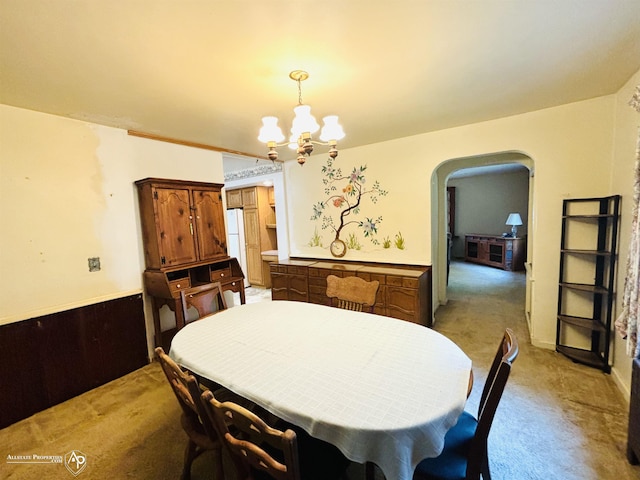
303 127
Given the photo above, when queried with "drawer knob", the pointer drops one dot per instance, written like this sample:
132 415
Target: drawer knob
178 285
222 274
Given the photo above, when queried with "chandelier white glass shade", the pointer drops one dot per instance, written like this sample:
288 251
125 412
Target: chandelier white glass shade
303 127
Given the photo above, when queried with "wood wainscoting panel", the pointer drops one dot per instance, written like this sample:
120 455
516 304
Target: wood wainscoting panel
49 359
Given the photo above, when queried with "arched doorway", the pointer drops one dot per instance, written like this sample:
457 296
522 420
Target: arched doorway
440 220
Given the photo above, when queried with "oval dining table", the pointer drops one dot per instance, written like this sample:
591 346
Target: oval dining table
382 390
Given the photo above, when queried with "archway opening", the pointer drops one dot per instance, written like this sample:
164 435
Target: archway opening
488 188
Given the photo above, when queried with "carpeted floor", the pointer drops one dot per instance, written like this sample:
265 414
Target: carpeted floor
557 420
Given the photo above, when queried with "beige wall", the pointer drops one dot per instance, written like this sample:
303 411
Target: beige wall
483 203
67 194
570 151
627 129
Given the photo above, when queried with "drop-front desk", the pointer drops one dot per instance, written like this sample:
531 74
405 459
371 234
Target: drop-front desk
163 286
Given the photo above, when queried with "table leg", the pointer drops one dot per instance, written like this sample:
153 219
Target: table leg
369 471
242 299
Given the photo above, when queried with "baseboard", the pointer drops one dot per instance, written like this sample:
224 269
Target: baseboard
624 388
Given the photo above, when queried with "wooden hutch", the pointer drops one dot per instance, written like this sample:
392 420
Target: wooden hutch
185 244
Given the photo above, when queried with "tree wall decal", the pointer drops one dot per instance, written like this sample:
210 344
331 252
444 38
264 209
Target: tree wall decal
341 208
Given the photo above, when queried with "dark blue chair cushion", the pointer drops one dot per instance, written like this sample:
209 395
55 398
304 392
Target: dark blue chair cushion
451 464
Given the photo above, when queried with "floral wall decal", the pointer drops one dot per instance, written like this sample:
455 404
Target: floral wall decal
342 208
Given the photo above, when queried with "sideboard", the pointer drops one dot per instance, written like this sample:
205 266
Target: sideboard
508 253
404 292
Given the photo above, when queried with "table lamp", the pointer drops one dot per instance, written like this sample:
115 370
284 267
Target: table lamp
514 220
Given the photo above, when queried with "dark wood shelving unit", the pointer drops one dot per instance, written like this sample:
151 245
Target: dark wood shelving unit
586 280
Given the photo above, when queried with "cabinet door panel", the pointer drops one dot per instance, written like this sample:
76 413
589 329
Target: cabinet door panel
254 265
209 221
298 288
252 239
402 303
279 286
175 230
249 198
234 198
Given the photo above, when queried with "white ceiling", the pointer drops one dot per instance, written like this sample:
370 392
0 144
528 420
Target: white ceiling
206 71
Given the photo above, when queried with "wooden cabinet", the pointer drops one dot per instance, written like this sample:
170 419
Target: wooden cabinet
587 279
259 228
182 222
507 253
49 359
404 292
234 198
253 244
184 239
289 280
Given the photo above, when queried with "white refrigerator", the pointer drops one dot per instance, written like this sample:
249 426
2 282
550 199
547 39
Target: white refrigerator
235 227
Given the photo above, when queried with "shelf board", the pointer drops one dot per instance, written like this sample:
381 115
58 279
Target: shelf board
595 216
586 357
584 287
602 253
590 323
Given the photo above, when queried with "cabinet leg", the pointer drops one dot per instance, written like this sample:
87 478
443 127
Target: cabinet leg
242 297
156 322
631 455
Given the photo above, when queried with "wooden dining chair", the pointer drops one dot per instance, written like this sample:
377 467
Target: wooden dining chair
200 431
206 299
465 456
278 450
352 293
254 445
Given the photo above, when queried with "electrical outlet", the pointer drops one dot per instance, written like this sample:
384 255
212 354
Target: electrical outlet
94 264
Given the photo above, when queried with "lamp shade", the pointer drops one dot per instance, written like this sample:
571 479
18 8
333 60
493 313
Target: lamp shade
513 219
331 130
270 131
303 122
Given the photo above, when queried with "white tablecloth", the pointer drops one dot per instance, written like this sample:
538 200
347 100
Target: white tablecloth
382 390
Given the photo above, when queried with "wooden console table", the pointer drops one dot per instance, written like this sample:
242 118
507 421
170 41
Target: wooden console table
507 253
404 292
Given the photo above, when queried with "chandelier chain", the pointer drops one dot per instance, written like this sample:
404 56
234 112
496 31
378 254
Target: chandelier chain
299 92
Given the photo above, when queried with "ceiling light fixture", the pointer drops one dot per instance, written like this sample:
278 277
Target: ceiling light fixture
303 127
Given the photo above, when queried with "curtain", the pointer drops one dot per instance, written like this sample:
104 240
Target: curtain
627 323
